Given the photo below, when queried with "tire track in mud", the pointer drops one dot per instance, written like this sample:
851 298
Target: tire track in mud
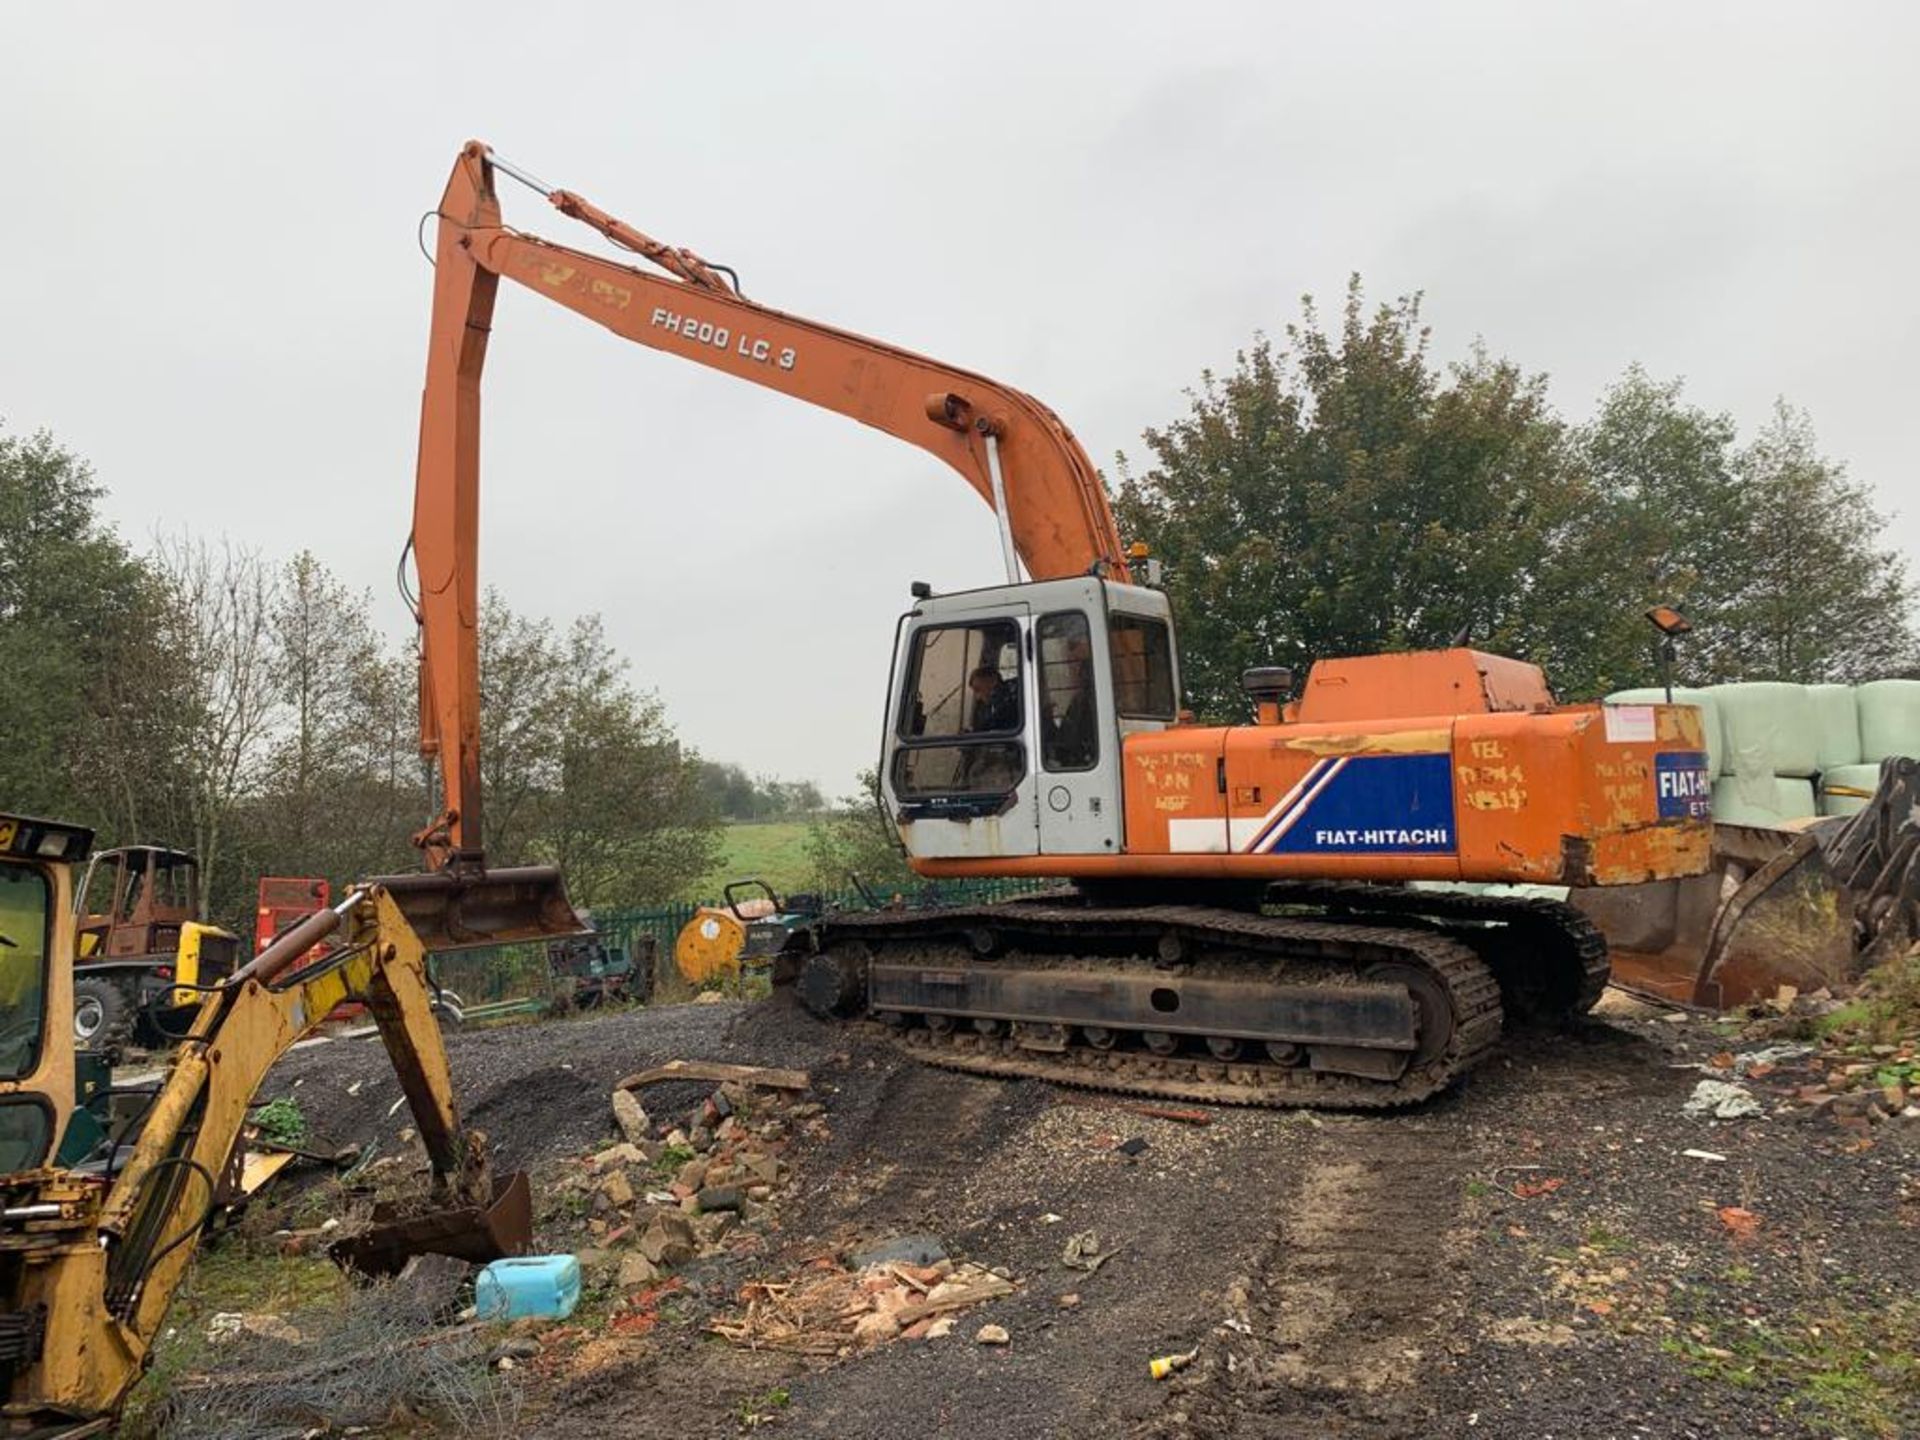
1359 1291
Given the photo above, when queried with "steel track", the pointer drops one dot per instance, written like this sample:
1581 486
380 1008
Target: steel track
1470 989
1512 933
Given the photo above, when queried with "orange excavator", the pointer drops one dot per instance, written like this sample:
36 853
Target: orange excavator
1239 922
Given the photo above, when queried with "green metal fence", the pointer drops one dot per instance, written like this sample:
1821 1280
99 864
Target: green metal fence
514 972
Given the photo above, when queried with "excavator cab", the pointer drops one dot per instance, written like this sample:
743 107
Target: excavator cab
1009 708
37 858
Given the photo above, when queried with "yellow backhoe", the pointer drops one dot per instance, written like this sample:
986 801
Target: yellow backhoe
97 1226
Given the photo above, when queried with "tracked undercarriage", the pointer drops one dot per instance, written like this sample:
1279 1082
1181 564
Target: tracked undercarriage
1337 995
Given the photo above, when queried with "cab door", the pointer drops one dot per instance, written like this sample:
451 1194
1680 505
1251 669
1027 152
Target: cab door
1078 743
959 772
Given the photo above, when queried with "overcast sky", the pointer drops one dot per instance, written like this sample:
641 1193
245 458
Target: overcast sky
211 288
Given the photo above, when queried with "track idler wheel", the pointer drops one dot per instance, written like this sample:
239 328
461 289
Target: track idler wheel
833 983
1430 1002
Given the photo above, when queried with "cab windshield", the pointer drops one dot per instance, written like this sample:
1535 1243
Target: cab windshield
25 905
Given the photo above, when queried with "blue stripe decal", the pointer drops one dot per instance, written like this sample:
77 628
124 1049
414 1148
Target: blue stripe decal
1376 805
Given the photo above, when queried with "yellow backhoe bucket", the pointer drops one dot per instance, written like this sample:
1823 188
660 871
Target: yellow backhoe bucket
473 1233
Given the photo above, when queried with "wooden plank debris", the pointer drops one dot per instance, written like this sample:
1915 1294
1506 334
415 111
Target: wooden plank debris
764 1077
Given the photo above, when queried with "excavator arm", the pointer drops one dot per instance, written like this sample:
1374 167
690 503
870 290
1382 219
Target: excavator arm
1013 450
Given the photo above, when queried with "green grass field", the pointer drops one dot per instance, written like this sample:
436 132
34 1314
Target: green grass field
774 851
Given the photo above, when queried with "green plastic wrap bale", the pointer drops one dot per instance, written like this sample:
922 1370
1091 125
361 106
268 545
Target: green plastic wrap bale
1889 719
1709 717
1837 712
1850 777
1766 800
1769 728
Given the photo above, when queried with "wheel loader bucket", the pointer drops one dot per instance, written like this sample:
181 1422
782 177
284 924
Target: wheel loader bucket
1811 906
474 1233
457 910
1769 913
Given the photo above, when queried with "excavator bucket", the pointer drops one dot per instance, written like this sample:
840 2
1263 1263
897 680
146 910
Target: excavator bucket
1808 907
453 910
457 910
474 1233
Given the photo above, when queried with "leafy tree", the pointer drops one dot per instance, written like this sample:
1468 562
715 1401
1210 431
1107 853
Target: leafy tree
1770 550
736 795
1819 596
581 770
1660 526
1341 496
80 617
520 675
342 787
624 816
857 840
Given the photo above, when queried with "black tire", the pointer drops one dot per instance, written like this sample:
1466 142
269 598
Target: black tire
103 1017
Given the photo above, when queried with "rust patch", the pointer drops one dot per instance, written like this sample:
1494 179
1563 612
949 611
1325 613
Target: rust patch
1393 742
1680 725
1663 851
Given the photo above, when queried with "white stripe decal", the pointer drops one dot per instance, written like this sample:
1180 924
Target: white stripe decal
1268 842
1286 801
1197 837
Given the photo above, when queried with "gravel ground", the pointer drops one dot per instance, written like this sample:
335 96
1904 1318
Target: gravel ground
1530 1256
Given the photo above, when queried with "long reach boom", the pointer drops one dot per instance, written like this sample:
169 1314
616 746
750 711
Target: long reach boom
1013 450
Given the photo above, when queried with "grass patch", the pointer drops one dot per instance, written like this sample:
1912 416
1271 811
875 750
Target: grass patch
232 1274
281 1121
1850 1369
668 1162
772 850
1887 1009
1607 1242
757 1410
1843 1020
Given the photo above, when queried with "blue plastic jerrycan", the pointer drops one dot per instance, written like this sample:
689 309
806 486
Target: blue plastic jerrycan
547 1286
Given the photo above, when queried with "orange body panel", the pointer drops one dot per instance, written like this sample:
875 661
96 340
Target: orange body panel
1410 684
1569 796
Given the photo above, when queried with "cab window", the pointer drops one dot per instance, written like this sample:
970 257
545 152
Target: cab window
1069 736
962 712
1142 652
25 902
963 680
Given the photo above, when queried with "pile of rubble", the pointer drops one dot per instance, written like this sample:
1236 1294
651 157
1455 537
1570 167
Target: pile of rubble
1851 1080
831 1310
675 1189
707 1183
1858 1086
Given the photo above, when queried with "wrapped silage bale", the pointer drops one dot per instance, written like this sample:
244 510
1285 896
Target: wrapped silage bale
1889 719
1837 714
1767 800
1769 728
1850 777
1709 716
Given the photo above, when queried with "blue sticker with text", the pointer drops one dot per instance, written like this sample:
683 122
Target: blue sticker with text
1683 786
1366 805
